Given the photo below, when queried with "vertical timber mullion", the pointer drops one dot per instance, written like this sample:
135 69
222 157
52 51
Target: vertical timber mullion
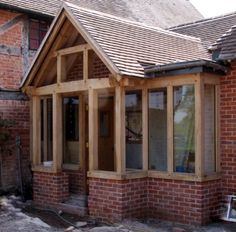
145 128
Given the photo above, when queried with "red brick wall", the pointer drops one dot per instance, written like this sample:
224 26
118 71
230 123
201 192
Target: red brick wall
11 65
183 201
228 130
49 188
18 111
114 199
76 181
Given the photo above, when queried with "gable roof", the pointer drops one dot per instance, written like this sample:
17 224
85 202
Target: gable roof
209 30
160 13
128 46
226 45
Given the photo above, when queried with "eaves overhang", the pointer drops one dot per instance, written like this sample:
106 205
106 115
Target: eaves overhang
185 67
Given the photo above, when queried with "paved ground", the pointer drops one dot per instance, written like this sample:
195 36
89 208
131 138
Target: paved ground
13 219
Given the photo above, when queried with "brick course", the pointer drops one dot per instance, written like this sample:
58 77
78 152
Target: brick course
50 188
228 130
117 200
182 201
76 181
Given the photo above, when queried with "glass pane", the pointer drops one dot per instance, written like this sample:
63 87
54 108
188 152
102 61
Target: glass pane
71 129
133 114
46 129
184 129
210 156
49 128
157 120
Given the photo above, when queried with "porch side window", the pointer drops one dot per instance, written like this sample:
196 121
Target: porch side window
46 129
71 130
209 130
133 115
157 121
184 129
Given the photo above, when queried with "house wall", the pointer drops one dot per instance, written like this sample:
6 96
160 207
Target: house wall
228 130
15 58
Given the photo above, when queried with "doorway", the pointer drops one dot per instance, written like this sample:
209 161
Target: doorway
106 133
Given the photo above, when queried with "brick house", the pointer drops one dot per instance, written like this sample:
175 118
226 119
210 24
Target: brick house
23 25
140 128
137 121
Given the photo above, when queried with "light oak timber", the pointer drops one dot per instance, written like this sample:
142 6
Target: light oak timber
199 127
93 129
85 64
36 130
172 81
71 50
57 132
61 69
210 79
145 128
120 130
170 130
73 86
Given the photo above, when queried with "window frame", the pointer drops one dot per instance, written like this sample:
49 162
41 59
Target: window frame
198 81
38 30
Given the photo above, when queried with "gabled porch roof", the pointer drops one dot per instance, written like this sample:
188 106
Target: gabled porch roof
126 47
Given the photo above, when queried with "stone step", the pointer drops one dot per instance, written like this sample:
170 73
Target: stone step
77 200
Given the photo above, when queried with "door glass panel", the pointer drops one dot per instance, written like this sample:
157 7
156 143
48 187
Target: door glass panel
71 130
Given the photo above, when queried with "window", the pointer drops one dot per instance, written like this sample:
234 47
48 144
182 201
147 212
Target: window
209 130
133 115
184 129
37 31
46 129
157 122
71 130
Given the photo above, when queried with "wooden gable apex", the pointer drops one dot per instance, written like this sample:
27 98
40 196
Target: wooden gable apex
62 36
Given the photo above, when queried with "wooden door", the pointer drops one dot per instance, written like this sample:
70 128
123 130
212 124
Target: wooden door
106 133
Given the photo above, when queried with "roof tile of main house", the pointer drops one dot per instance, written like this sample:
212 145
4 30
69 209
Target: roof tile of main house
131 46
209 30
226 45
160 13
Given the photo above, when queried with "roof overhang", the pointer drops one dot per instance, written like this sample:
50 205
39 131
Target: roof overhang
44 48
185 67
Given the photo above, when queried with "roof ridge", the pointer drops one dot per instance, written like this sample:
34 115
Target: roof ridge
134 23
203 20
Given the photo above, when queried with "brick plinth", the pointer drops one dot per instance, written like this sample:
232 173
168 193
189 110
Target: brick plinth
183 201
116 200
50 188
77 180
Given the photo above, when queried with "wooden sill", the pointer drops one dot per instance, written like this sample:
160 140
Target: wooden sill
183 176
41 168
134 174
74 167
